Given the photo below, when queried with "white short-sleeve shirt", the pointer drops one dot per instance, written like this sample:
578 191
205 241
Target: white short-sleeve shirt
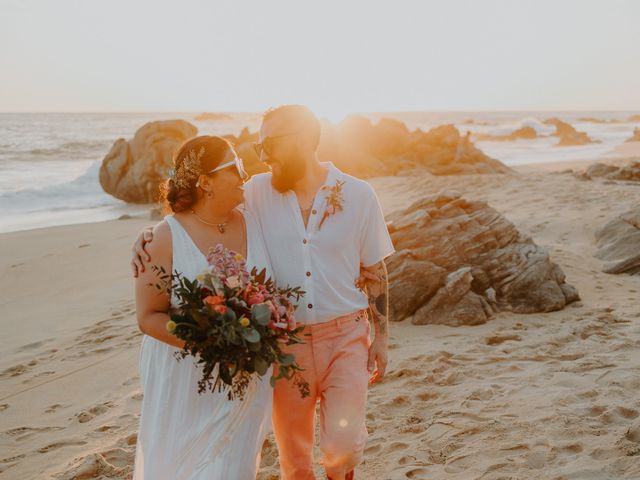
325 261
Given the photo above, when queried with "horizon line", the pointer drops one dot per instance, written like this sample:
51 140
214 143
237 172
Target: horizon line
348 113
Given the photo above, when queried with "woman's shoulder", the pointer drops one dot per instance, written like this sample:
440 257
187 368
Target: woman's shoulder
162 240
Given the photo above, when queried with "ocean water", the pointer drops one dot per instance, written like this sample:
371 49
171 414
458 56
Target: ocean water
49 162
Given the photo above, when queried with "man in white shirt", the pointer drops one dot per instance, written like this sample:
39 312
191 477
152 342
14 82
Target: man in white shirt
321 226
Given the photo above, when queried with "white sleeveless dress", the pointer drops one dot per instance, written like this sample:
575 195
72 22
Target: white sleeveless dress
184 435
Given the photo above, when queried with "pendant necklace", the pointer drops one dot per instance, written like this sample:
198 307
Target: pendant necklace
222 227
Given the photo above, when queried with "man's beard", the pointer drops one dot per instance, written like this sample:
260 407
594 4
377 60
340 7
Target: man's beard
289 173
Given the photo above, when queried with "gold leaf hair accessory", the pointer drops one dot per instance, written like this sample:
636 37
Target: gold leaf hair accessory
189 169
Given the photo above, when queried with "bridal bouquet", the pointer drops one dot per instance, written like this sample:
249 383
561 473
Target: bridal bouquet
234 322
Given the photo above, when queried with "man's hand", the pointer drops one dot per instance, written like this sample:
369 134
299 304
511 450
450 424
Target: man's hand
365 277
377 364
139 254
376 287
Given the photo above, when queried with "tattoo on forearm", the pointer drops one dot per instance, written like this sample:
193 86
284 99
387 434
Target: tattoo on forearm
378 293
381 304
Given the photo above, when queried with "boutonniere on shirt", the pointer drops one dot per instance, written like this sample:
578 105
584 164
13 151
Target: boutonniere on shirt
334 200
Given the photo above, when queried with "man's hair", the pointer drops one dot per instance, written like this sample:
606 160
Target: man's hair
297 118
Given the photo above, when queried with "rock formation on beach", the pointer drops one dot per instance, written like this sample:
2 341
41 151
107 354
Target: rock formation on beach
568 135
213 116
133 169
635 137
390 148
459 261
629 119
618 243
524 133
596 120
629 171
363 149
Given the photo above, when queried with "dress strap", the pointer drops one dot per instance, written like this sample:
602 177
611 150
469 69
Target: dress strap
178 233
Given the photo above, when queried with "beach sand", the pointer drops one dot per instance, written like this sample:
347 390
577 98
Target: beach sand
536 396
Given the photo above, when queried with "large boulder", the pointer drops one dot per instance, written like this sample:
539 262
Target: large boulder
133 170
618 243
568 135
440 151
458 261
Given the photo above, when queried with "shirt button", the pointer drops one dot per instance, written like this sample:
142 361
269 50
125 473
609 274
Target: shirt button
308 274
314 211
310 306
304 241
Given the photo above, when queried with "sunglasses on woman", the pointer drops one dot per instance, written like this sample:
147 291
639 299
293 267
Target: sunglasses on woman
237 162
267 144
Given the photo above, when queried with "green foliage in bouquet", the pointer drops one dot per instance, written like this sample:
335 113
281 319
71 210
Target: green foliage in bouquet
235 323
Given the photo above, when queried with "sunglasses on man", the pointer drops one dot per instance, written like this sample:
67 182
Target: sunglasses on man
267 144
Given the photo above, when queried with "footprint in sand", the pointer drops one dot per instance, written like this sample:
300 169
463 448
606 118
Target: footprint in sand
398 402
373 449
627 413
397 447
57 445
3 407
9 462
106 428
102 350
118 457
131 439
419 473
94 411
14 371
99 339
406 460
574 448
537 459
498 339
53 408
33 345
24 433
427 396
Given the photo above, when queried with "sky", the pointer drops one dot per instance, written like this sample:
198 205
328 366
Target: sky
335 56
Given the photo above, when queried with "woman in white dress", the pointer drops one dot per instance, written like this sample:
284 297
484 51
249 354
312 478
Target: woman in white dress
184 435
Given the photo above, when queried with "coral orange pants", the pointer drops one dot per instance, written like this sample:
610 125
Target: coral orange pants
335 361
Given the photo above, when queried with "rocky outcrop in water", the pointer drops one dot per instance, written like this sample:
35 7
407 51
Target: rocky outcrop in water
635 137
458 261
213 117
133 169
567 134
524 133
